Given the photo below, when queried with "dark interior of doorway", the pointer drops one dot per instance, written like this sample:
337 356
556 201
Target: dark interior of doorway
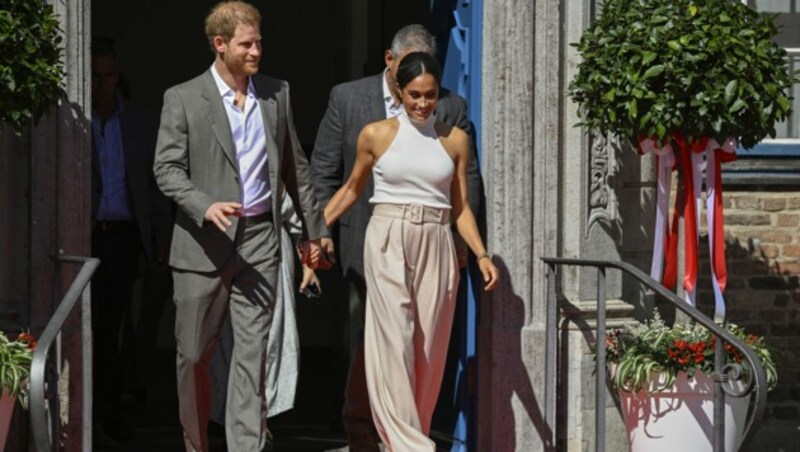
314 45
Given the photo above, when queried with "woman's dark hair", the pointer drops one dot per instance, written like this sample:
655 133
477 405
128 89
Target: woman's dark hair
415 64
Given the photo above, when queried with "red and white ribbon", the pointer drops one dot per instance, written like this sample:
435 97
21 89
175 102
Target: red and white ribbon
693 157
717 154
665 161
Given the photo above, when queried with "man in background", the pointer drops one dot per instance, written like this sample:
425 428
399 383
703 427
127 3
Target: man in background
131 219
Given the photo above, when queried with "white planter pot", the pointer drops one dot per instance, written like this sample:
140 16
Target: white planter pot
681 418
6 410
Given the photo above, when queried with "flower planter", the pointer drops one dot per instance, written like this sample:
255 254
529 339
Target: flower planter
681 418
6 410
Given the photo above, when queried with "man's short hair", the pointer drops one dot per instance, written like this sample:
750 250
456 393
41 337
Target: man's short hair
103 46
415 38
226 16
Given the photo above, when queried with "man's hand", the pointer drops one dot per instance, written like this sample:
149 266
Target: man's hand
328 257
219 212
309 251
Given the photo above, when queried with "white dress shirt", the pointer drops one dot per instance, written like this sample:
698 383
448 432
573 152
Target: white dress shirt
392 110
250 143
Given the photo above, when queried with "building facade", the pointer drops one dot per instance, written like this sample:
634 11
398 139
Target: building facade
550 191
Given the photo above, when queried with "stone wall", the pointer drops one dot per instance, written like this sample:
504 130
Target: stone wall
762 235
45 208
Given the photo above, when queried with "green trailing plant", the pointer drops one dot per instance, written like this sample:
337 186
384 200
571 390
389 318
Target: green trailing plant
15 364
31 70
639 353
699 67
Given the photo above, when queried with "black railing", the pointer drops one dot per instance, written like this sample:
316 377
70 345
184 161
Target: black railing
757 379
46 367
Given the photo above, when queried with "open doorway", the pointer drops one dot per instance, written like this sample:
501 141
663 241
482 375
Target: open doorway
313 45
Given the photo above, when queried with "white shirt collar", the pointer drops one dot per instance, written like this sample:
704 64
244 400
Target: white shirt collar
224 89
388 100
387 94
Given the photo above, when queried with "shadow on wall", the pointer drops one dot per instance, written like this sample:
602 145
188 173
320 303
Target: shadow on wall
513 350
763 295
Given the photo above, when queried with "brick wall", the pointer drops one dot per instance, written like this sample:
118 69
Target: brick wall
762 231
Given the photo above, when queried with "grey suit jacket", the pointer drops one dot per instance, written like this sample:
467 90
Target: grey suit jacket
195 165
351 106
153 212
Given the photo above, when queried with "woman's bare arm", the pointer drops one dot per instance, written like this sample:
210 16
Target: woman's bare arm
458 145
348 194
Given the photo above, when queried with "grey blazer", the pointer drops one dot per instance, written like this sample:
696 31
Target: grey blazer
195 165
351 106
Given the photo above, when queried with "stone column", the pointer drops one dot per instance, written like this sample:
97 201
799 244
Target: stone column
61 206
551 191
46 206
520 145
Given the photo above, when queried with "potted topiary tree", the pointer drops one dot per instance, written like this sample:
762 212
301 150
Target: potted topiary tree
701 68
689 81
684 79
31 70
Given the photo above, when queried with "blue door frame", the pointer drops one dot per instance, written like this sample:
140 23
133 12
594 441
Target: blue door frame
459 38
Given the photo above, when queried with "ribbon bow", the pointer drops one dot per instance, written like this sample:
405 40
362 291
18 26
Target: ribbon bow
693 157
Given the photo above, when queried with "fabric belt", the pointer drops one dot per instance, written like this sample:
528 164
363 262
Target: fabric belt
113 225
414 213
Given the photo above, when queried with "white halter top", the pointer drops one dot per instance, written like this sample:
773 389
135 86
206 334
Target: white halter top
415 169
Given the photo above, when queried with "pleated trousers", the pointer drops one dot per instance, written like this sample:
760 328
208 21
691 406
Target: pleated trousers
412 275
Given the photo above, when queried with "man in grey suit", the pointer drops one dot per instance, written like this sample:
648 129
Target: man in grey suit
353 105
227 149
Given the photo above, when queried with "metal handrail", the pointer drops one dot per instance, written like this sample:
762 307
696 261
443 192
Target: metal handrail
723 372
42 435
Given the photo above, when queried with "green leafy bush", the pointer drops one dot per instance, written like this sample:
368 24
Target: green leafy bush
699 67
31 70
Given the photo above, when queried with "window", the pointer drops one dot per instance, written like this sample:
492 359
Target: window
775 159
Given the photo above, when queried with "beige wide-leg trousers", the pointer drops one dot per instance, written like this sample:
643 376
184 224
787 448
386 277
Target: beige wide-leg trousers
412 277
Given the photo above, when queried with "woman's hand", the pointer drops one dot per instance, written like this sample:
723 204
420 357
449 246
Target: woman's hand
491 276
310 280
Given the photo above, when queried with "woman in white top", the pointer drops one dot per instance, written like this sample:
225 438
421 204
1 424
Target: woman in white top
419 167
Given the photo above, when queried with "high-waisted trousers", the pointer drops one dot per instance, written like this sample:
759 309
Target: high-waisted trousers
412 276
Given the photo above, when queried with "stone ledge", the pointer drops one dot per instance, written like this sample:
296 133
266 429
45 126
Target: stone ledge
583 314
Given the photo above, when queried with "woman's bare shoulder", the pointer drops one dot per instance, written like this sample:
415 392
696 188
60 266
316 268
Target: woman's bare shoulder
380 131
381 127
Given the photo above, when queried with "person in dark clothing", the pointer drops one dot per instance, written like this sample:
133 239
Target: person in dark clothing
131 219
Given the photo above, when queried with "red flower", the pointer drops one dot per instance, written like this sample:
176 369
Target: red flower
27 339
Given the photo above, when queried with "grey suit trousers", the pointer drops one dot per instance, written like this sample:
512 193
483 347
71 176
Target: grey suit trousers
246 285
